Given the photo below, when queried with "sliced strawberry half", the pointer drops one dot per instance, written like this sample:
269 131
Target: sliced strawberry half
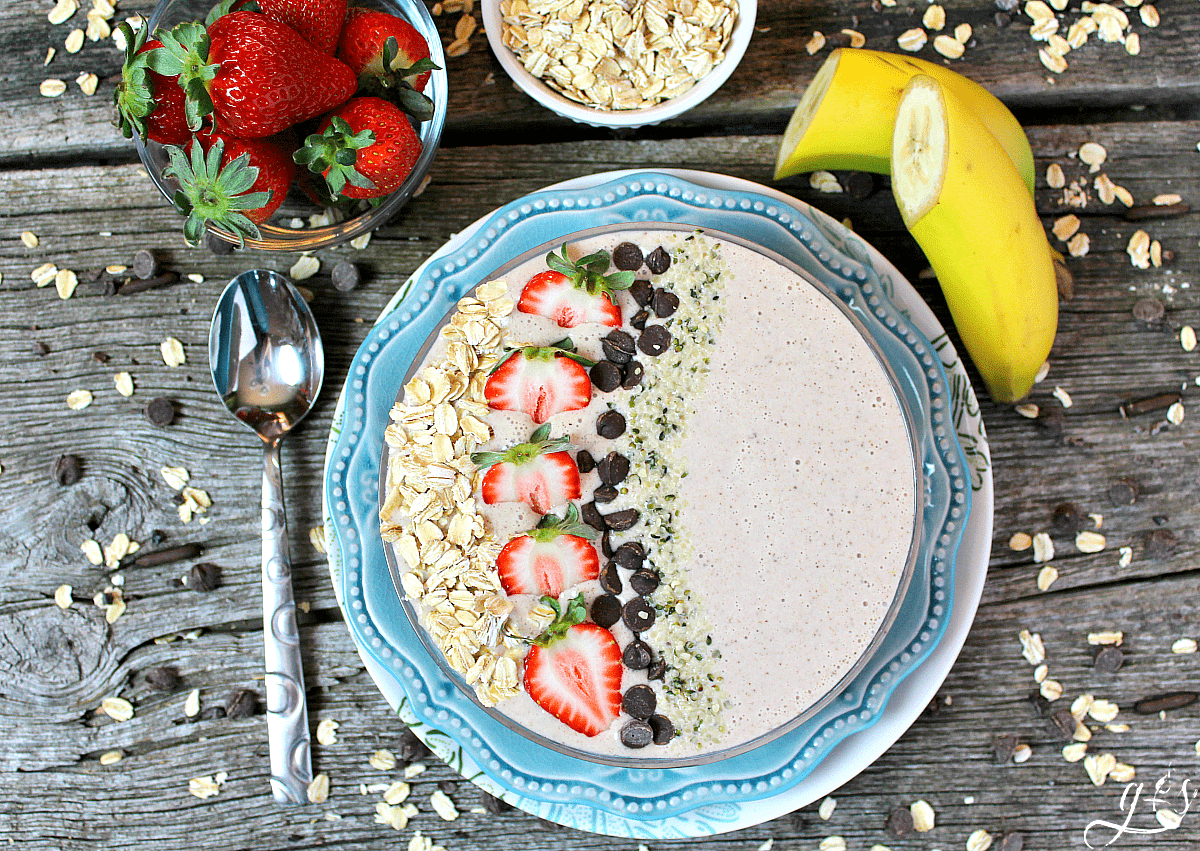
540 473
575 292
556 555
541 381
573 671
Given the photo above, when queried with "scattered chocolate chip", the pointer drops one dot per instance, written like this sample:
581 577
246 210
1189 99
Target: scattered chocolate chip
606 611
644 582
584 461
164 678
217 245
641 290
657 669
101 357
1012 842
1003 20
658 261
241 703
591 515
1038 703
1069 517
1122 492
1149 404
1160 519
618 346
160 411
208 713
655 340
40 348
639 702
664 303
447 787
1165 702
1052 421
179 552
204 576
410 747
637 656
663 729
67 470
1064 724
610 579
640 319
900 822
1109 660
613 468
627 257
1142 212
606 546
606 375
1159 543
604 494
860 185
144 264
495 805
345 276
1149 310
638 614
1003 746
619 521
132 286
636 734
634 372
610 424
630 555
158 537
1064 280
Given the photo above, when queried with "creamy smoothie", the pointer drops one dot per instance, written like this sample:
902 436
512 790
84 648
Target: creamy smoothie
769 470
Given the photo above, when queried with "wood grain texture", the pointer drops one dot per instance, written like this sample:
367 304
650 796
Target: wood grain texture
56 666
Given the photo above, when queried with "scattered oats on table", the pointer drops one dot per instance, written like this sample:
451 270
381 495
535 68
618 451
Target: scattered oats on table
922 815
172 352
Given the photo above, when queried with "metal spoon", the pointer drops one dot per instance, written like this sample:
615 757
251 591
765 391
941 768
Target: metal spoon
267 363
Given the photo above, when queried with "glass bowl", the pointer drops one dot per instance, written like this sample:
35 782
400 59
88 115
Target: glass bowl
277 234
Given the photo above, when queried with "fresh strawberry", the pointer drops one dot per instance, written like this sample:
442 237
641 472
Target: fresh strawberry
541 381
540 473
573 671
575 292
363 46
366 149
318 21
257 75
148 104
235 184
556 555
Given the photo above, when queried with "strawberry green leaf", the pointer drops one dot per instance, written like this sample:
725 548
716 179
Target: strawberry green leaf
184 53
587 273
334 154
550 526
212 194
133 97
575 613
540 443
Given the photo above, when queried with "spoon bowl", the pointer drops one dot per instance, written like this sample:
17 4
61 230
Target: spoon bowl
267 364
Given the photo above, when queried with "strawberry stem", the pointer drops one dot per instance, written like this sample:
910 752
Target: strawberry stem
563 348
575 613
133 98
334 153
209 193
540 443
551 526
184 53
587 273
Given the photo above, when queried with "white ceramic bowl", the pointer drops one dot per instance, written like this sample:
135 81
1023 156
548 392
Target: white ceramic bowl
564 106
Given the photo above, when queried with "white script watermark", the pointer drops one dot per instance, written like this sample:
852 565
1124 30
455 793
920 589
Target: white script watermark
1166 806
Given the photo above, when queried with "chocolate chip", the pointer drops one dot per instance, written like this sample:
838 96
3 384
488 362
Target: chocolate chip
639 702
218 246
604 494
204 576
634 372
630 555
663 729
1149 310
657 669
606 544
345 276
900 822
619 521
1064 724
1164 702
1003 20
658 261
158 537
208 713
637 656
160 411
447 787
241 703
640 319
1159 543
584 461
627 257
638 615
1003 746
411 747
613 468
164 678
618 346
610 424
641 291
860 185
644 582
67 470
495 805
144 264
1122 493
606 610
1069 517
1038 703
636 734
664 303
606 375
101 357
1109 660
1012 842
655 340
591 515
610 579
40 348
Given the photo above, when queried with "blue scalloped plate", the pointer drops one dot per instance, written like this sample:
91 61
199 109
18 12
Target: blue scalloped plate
695 800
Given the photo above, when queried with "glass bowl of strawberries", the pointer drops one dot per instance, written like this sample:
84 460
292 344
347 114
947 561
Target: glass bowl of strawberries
284 124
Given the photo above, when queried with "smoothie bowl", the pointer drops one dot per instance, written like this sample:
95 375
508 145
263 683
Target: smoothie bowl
651 496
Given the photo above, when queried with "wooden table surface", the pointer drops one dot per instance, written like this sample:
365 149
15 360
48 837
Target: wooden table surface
69 178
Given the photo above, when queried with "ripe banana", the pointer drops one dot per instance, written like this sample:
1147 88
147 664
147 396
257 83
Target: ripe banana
964 201
844 119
